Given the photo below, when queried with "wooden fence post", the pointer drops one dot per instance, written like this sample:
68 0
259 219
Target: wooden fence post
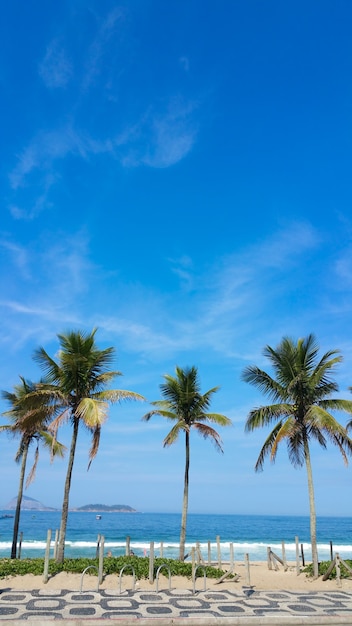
302 554
151 562
329 570
284 560
47 557
218 550
268 556
97 548
349 569
20 546
199 554
56 543
298 568
232 559
338 571
248 576
101 559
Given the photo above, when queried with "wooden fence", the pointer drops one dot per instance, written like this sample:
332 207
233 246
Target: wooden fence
198 559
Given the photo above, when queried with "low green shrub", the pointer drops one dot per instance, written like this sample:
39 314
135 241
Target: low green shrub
324 566
112 565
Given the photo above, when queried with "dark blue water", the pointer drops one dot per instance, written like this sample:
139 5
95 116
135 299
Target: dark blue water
249 533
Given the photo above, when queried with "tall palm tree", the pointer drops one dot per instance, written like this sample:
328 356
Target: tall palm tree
76 383
28 420
300 391
183 404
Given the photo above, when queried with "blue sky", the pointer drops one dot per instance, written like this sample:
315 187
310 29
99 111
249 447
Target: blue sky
177 174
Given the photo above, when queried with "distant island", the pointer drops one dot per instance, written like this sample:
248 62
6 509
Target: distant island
30 504
100 508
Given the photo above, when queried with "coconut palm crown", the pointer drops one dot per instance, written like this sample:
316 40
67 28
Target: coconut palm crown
300 391
29 418
184 405
76 384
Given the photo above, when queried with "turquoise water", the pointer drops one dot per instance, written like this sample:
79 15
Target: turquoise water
250 534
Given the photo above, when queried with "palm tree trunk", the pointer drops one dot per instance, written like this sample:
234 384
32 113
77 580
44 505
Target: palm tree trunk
185 503
16 522
313 517
61 547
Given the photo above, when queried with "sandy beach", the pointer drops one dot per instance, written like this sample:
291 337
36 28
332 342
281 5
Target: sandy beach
261 579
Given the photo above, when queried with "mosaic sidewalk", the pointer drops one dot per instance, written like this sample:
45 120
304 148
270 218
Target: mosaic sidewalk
108 604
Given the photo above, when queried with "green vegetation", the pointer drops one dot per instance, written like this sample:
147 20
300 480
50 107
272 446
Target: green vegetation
184 404
107 508
324 566
112 565
301 393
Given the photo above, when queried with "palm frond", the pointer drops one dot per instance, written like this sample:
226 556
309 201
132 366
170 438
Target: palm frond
32 472
24 443
322 420
267 448
265 383
172 436
10 429
216 418
265 415
49 441
92 412
95 445
118 395
50 368
100 379
207 431
336 404
168 414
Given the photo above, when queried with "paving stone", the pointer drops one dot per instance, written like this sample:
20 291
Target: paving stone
109 604
158 610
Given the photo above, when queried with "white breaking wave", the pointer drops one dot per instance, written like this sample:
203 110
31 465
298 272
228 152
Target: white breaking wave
257 551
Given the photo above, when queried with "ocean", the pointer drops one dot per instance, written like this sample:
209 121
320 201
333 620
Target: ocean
250 534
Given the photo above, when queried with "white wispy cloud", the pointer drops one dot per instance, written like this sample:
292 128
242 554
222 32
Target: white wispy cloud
227 299
343 269
171 135
40 154
183 267
106 30
19 255
158 141
184 62
55 69
159 135
42 299
18 307
140 337
37 168
232 302
163 135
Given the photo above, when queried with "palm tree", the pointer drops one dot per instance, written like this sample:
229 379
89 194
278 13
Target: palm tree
29 420
300 391
184 404
76 384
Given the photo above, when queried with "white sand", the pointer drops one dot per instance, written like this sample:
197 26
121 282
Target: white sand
261 578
